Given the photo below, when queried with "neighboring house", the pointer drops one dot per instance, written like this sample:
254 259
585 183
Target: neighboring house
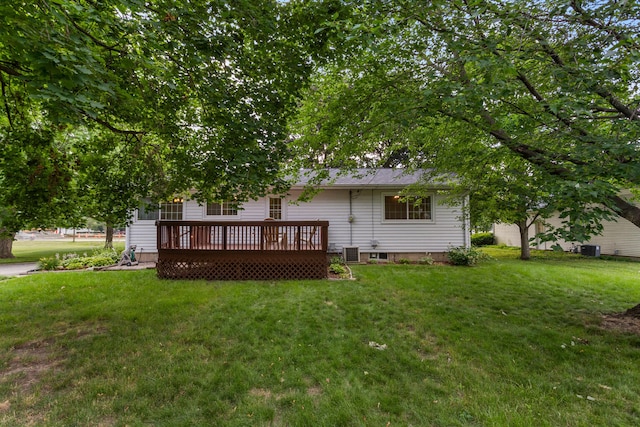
365 214
619 237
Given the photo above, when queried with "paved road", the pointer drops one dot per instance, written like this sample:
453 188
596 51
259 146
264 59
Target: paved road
17 269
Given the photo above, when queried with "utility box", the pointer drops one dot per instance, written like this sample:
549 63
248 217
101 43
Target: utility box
590 250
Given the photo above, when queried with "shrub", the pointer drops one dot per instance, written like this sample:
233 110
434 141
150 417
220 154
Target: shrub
482 239
373 261
336 259
404 261
50 263
100 258
465 256
76 263
337 269
103 258
427 260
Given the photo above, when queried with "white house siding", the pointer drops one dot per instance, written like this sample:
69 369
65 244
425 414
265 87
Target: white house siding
618 238
142 234
444 231
368 225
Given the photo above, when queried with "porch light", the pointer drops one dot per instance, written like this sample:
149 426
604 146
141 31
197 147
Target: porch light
178 200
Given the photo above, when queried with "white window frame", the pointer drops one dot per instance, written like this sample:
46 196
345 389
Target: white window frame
175 202
160 213
222 210
383 205
146 202
282 208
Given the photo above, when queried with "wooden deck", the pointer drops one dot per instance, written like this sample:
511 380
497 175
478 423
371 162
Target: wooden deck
256 250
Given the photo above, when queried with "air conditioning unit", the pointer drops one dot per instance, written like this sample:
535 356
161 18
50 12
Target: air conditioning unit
590 250
351 254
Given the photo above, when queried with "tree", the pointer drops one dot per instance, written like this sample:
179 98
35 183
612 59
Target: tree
114 174
552 83
35 182
210 83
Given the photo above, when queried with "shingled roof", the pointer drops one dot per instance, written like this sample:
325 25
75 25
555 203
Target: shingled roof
367 178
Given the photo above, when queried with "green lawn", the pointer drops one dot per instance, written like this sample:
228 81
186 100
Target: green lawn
506 343
33 250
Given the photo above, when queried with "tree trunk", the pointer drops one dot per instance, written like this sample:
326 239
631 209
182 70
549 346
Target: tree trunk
108 244
525 251
6 245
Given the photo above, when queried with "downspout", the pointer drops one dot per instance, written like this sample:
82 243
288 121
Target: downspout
350 217
466 225
373 224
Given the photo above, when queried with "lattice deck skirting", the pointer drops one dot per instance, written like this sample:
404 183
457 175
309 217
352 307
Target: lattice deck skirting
241 265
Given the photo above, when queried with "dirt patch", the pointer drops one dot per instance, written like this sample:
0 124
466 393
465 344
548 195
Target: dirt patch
29 363
314 391
621 322
628 321
260 392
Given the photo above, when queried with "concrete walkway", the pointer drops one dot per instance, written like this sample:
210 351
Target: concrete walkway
24 268
17 269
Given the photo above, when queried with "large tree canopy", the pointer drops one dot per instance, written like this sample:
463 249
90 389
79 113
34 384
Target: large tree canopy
203 86
215 80
554 83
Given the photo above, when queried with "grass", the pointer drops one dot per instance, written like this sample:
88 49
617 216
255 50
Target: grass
34 250
505 343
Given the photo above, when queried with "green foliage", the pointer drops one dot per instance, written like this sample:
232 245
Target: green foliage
426 260
296 352
73 261
465 256
337 268
49 263
373 261
34 250
336 259
106 102
527 102
482 239
35 177
404 261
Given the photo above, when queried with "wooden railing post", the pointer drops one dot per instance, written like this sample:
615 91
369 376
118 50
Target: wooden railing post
224 238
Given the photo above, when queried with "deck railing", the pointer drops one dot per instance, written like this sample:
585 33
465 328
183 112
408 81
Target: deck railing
241 236
242 250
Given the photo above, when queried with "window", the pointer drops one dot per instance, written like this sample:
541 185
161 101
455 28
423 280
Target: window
275 208
222 209
171 210
148 211
407 208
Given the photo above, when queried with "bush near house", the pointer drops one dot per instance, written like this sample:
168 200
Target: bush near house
465 256
482 239
72 261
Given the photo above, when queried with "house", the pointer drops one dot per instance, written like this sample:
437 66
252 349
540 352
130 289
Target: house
619 237
366 218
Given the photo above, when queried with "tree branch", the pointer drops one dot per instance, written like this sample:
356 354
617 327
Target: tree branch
587 20
9 70
4 100
111 127
599 90
89 35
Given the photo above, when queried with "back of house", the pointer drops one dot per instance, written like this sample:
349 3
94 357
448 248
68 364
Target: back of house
368 217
